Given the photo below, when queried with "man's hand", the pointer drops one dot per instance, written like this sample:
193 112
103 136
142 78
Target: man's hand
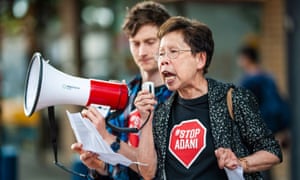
97 119
89 159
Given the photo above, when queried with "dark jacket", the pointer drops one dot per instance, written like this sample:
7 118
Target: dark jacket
246 134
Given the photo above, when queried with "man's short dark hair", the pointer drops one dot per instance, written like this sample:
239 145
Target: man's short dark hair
147 12
251 53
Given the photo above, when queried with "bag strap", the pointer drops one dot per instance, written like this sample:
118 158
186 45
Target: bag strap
229 103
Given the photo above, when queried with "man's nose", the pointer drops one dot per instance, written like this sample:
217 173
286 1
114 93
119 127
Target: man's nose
142 50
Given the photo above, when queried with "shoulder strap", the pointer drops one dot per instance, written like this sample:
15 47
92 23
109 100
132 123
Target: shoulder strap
229 103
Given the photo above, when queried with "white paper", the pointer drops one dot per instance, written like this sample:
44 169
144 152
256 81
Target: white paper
87 134
104 110
236 174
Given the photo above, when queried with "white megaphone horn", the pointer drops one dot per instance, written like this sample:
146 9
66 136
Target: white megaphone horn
46 86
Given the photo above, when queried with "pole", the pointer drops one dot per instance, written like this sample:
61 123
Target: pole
294 83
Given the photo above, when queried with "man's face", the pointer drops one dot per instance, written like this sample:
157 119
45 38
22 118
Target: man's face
143 46
243 63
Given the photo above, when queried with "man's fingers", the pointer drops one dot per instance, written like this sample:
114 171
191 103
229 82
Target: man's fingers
85 156
77 147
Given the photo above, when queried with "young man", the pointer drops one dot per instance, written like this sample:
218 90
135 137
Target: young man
140 26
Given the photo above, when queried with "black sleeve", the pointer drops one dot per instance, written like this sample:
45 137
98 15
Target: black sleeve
253 129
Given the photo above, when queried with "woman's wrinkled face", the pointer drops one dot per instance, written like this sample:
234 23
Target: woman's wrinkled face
177 65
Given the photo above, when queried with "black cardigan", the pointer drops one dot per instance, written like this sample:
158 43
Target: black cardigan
246 134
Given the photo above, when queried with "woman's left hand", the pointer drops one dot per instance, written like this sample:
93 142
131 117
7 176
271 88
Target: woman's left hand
226 158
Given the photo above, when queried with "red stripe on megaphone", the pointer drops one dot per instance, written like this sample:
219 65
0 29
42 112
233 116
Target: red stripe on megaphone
110 94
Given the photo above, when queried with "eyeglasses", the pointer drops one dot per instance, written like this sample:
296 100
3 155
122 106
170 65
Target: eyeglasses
172 54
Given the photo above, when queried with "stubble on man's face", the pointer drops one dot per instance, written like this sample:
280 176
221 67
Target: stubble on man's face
144 45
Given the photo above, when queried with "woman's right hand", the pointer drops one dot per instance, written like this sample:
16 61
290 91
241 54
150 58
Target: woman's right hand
145 102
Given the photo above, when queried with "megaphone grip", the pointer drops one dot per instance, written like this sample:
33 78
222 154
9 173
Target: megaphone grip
110 94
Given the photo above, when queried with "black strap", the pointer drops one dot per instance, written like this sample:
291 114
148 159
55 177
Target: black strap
123 129
53 132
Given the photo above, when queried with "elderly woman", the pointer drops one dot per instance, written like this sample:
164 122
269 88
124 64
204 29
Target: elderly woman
192 136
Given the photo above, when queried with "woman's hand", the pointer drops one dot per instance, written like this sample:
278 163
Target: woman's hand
226 158
144 102
258 161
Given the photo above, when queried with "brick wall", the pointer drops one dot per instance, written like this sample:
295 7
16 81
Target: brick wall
273 41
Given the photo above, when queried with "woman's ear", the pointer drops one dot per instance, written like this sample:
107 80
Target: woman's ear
201 59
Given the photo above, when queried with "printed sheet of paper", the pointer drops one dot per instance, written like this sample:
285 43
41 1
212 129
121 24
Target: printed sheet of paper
87 134
236 174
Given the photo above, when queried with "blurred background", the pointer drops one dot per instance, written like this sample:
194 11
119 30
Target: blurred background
83 38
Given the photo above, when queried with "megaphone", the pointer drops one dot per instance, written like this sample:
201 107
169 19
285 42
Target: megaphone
46 86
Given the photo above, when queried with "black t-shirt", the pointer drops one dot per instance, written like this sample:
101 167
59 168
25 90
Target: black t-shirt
190 153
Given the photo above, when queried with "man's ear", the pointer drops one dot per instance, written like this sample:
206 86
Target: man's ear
201 59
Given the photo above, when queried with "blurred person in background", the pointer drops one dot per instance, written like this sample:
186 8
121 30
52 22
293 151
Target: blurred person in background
140 26
274 109
192 135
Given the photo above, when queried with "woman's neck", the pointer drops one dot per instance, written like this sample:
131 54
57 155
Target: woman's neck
197 89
